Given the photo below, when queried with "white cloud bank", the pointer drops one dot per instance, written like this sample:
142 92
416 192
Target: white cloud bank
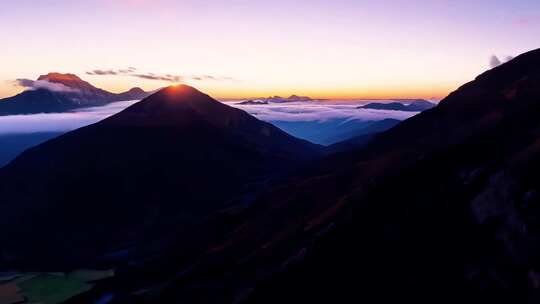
301 111
319 111
44 84
59 122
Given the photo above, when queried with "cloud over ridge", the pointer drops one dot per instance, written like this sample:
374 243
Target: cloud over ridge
291 112
44 84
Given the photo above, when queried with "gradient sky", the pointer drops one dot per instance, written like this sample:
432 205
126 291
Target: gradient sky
339 48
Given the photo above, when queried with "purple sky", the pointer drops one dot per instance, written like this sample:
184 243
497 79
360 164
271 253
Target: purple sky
257 48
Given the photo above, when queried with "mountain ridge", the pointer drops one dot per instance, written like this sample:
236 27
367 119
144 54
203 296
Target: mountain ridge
73 93
412 106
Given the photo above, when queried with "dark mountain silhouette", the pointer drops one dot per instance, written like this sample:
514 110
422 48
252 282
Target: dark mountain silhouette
151 172
298 98
442 208
77 94
411 106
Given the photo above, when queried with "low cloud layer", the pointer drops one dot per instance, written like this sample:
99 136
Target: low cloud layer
308 111
319 111
43 84
58 122
133 72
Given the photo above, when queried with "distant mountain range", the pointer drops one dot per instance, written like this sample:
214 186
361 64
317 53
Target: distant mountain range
418 105
253 102
60 93
276 99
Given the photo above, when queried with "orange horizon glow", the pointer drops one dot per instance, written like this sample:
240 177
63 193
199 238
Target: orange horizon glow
245 90
249 49
435 93
330 94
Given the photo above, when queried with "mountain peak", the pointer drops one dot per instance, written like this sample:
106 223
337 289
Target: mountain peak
59 77
180 94
69 80
180 90
178 105
136 90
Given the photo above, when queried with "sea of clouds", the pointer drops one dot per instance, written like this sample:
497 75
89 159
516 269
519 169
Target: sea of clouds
319 111
297 111
59 122
319 122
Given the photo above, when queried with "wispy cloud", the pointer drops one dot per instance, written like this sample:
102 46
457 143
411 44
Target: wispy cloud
127 71
133 72
102 72
180 78
527 20
494 61
43 84
166 77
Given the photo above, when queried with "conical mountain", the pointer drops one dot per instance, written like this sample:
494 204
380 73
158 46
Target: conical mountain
149 171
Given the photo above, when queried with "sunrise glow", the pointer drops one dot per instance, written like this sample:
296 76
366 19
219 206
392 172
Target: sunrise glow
231 49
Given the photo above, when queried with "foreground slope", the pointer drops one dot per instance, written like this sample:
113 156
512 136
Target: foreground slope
158 167
441 208
451 213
